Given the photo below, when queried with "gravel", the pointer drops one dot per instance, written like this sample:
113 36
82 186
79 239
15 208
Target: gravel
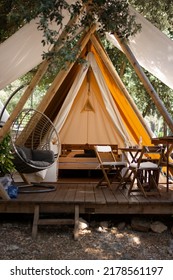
102 240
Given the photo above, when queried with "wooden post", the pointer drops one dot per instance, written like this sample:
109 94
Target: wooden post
62 75
35 221
76 222
117 79
35 80
148 86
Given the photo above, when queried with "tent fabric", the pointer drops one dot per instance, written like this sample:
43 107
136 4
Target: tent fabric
109 104
152 49
23 51
108 100
64 111
131 121
95 111
92 127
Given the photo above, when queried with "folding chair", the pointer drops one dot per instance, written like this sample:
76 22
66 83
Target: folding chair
110 167
144 175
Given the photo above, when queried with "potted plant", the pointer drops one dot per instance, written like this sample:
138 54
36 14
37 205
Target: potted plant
6 156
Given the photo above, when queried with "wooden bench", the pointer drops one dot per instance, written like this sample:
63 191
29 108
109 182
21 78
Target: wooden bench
70 158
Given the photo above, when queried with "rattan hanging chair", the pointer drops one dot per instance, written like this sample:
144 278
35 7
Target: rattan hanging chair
35 142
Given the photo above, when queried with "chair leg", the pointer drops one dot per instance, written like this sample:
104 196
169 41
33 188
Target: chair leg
105 178
124 180
132 183
145 183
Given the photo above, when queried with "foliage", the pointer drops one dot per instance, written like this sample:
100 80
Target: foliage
159 12
112 15
6 156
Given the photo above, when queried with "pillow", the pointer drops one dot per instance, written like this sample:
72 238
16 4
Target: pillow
43 155
25 153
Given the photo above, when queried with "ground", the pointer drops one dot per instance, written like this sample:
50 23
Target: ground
108 240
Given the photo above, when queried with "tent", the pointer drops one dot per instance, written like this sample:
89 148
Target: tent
90 91
89 106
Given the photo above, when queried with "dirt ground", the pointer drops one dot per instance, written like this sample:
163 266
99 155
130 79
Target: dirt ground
106 239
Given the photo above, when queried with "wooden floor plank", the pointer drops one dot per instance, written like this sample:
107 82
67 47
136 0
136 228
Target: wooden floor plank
60 192
99 196
71 192
90 198
80 193
121 198
109 195
131 198
89 194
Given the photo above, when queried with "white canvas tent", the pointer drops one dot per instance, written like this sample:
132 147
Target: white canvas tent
89 113
90 105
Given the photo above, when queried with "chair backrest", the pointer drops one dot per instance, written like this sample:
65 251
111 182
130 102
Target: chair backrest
105 153
152 154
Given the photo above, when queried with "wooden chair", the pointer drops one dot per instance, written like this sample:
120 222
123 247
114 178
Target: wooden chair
110 167
144 174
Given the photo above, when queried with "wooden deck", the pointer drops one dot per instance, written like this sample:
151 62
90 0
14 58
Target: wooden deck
79 197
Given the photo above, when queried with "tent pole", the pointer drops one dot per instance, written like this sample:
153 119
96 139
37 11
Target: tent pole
117 79
62 75
35 80
148 86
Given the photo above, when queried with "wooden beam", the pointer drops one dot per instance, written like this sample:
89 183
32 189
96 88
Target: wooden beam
63 74
35 80
148 86
117 80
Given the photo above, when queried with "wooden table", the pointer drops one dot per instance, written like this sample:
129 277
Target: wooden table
168 142
132 151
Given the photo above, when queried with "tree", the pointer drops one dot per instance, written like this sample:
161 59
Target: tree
159 12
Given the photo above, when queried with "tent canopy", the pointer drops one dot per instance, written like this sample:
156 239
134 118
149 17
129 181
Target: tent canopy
23 51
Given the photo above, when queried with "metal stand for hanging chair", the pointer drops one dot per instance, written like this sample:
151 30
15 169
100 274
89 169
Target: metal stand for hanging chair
32 135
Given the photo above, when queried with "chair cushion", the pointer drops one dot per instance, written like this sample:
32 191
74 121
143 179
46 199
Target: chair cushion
42 158
114 163
144 165
39 163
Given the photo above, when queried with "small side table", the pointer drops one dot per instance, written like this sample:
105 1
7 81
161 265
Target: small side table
132 151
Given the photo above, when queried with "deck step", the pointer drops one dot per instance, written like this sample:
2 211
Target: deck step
51 221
